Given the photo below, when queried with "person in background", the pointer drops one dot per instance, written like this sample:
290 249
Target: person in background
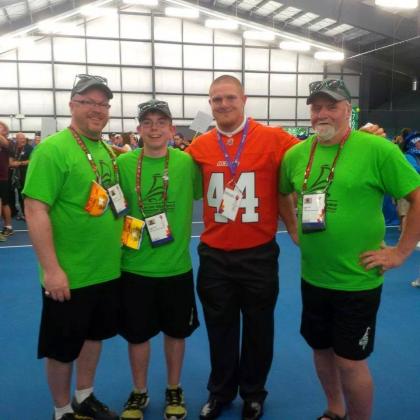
134 143
179 142
37 138
5 159
19 165
124 145
412 153
340 177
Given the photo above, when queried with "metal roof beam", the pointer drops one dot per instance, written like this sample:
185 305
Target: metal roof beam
359 15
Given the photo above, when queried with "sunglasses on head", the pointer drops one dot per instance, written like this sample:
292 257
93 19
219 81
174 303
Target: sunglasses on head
331 84
148 105
99 79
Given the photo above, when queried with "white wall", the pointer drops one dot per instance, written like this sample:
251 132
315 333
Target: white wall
177 66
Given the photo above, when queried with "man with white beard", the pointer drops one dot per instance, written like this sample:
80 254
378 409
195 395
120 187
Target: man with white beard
341 177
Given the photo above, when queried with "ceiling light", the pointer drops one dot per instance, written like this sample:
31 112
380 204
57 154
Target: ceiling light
294 46
11 42
182 12
397 4
7 43
92 11
149 3
329 55
221 24
259 35
49 27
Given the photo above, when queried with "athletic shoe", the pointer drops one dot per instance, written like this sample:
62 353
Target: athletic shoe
73 416
93 408
416 282
2 237
175 405
7 232
252 410
212 409
137 401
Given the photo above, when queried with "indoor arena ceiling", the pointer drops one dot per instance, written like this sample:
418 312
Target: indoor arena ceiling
368 34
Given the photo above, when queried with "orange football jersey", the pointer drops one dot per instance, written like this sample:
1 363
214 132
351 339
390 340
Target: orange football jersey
257 176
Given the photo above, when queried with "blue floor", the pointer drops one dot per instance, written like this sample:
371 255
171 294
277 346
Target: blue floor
294 393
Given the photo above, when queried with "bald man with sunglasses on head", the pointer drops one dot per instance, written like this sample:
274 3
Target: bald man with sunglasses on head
73 214
340 177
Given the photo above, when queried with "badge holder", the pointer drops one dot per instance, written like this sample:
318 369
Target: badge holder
313 212
158 229
132 232
98 200
231 201
118 204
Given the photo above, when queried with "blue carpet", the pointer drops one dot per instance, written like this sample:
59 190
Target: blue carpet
294 390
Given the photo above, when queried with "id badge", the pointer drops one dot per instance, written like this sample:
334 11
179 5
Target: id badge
118 203
98 200
231 201
313 212
158 228
132 232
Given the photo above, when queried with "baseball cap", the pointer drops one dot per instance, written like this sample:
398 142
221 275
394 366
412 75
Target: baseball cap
153 105
83 82
334 88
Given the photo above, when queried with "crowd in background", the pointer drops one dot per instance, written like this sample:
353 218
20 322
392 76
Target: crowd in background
126 142
14 160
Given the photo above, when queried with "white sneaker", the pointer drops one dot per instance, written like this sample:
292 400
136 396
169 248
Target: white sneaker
416 282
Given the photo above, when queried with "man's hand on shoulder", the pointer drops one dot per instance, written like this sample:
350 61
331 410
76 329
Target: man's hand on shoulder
373 129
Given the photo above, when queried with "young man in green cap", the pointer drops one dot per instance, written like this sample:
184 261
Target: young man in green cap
160 184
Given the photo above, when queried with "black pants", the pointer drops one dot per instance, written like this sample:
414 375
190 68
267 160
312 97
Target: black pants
230 284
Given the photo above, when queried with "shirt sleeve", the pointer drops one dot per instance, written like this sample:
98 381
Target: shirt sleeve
46 175
198 182
398 177
285 180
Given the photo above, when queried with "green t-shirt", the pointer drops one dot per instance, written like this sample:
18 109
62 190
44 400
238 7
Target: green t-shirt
184 185
88 248
367 168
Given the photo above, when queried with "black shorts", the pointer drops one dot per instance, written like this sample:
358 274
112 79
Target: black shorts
154 304
343 321
90 314
4 193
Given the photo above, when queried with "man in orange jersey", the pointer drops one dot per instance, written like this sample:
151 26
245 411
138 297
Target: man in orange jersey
238 272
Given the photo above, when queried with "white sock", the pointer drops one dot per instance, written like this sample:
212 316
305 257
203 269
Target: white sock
82 394
8 227
59 412
174 386
140 391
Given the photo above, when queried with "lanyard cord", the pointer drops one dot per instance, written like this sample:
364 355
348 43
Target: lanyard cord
165 178
90 158
233 165
332 170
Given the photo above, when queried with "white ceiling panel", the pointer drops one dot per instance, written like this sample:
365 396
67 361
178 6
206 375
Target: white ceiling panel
268 8
287 13
304 19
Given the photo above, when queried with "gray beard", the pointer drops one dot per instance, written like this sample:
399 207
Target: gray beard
325 133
